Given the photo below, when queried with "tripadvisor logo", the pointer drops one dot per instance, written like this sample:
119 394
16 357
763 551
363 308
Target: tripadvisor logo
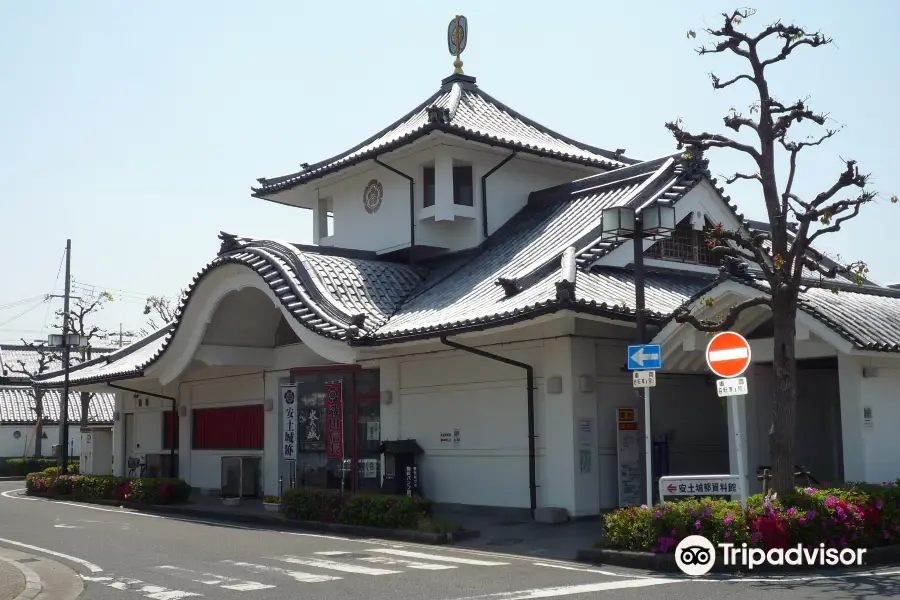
695 555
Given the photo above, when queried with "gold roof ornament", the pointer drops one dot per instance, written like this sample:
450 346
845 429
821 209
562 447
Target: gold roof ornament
457 34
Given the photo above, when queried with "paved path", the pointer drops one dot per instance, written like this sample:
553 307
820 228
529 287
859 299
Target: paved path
124 555
12 581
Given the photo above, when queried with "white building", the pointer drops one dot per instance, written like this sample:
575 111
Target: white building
435 293
18 417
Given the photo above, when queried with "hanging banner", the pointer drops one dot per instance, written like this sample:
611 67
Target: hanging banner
334 420
289 399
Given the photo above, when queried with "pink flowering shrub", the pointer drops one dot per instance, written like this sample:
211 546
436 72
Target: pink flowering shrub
660 528
856 515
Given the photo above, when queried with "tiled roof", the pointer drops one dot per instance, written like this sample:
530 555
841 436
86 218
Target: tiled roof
15 357
17 406
124 363
867 316
461 108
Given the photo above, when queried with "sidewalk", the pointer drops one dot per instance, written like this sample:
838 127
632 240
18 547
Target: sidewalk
33 577
560 541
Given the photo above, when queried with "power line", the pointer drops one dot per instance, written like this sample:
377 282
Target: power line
26 311
22 302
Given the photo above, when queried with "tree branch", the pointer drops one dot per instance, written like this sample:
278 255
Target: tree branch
730 319
736 176
705 141
735 121
794 37
719 85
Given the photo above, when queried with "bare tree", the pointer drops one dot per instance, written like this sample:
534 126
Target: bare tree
161 310
81 310
48 359
784 252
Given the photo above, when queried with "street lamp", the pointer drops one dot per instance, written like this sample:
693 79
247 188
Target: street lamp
654 222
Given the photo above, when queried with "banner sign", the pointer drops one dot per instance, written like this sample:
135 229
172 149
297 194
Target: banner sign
289 400
334 420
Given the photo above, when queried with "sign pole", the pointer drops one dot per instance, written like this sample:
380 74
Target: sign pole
738 447
648 443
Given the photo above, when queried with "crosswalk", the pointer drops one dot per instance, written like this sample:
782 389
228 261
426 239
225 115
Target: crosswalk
317 568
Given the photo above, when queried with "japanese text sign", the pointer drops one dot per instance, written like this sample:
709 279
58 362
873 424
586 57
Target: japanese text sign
289 402
334 420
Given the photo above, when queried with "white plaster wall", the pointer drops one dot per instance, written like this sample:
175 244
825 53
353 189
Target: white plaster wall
508 190
870 453
202 469
486 401
11 447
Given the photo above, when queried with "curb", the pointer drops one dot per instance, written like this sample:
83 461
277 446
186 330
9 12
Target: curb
665 563
12 478
33 585
403 535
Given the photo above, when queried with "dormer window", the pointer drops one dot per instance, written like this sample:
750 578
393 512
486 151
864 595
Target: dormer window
428 182
686 244
463 190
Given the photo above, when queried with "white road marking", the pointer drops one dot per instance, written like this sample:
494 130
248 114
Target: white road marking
439 558
333 552
595 571
297 575
571 590
228 583
335 566
61 526
93 568
729 354
399 562
154 592
782 579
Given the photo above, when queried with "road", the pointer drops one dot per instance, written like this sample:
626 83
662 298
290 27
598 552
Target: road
125 555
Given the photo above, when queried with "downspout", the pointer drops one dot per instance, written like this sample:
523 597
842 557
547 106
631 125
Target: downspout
174 416
412 208
484 211
529 375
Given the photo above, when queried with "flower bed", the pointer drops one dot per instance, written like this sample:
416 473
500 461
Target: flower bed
856 516
370 510
159 490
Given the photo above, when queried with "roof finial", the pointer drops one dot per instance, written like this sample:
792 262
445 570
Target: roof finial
457 34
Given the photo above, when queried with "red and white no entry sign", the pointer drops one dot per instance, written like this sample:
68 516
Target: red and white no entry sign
728 354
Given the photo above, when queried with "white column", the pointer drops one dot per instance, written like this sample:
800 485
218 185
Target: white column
119 453
443 186
271 432
555 426
584 412
853 440
389 378
185 426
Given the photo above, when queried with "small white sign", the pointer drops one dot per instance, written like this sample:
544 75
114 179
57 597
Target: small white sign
456 438
868 422
644 379
700 485
370 468
734 386
373 431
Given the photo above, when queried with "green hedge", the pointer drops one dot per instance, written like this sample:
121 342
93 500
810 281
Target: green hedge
159 490
858 515
372 510
20 467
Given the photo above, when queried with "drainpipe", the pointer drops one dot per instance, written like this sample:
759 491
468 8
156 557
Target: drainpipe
412 208
484 211
174 416
529 375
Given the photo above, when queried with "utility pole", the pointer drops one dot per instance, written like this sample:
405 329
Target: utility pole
64 401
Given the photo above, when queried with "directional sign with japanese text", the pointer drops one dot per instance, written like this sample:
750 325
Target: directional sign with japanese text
699 485
734 386
289 401
645 357
728 354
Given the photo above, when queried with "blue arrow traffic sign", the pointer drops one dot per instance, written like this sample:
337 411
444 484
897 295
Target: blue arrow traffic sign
644 357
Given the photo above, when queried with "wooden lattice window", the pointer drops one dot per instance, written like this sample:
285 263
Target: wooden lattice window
685 245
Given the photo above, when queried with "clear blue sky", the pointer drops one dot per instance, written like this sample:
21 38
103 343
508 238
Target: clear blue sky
137 129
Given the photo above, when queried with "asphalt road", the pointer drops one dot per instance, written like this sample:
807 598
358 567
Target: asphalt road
124 555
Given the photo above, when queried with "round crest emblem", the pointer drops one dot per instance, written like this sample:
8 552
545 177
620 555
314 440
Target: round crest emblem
372 196
332 394
289 397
